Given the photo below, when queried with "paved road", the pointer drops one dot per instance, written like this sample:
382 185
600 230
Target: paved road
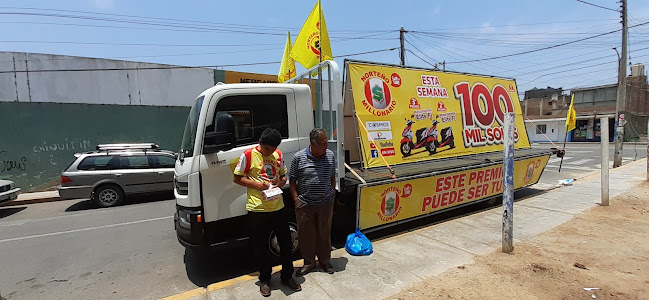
65 249
583 159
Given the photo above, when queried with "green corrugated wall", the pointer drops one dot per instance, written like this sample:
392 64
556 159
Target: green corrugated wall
38 140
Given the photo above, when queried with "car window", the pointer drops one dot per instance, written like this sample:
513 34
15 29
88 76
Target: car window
93 163
134 162
163 161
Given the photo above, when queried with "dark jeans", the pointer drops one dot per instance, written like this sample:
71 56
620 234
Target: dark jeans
261 225
314 232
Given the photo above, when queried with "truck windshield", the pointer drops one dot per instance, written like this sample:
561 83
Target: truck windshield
187 146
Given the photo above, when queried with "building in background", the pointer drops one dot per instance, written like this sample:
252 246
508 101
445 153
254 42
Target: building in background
52 106
545 117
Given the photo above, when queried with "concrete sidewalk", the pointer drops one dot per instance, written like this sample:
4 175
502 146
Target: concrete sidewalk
401 261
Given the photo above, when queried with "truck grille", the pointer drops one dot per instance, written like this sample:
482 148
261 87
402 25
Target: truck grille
181 187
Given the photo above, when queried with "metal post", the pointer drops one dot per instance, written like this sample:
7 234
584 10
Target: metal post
402 55
508 184
603 127
620 105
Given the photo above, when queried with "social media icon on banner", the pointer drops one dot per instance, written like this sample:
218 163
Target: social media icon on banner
375 153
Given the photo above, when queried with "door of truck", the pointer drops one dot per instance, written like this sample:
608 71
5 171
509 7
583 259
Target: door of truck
253 109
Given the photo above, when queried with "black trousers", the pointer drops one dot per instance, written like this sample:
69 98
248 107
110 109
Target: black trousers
262 224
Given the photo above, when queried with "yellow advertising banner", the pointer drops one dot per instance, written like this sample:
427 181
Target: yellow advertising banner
387 203
408 115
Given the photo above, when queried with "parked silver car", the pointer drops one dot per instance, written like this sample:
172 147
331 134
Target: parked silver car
114 171
8 191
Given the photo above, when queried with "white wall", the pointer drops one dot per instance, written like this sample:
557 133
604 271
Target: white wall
555 130
159 87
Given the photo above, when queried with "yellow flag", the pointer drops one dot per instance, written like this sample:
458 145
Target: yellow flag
287 68
312 44
571 118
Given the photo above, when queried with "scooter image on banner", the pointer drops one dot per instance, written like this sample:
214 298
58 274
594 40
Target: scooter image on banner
447 137
427 137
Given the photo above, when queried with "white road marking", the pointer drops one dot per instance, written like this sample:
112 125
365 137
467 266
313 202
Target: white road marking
571 168
82 229
558 159
579 162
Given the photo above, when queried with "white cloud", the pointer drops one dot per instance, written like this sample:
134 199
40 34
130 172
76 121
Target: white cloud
436 10
486 27
104 4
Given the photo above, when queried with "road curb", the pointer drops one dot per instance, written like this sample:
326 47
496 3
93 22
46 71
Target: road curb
226 283
32 201
187 295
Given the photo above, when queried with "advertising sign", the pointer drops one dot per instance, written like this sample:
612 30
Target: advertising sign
429 115
387 203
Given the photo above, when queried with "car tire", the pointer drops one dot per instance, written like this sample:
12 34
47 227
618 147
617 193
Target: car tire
108 195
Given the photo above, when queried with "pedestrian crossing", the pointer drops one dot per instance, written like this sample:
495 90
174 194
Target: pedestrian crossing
580 164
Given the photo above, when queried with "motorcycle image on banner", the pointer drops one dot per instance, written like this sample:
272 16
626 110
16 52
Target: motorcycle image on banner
427 137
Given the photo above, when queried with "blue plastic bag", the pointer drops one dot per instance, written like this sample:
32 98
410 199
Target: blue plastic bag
358 244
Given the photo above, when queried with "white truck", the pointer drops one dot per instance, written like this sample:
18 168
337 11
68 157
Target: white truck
378 185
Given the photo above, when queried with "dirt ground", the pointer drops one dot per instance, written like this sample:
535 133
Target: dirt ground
605 248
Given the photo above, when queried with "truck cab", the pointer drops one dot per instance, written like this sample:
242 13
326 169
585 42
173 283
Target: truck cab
224 121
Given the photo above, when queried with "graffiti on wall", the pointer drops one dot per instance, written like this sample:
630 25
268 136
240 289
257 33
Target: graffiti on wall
82 145
9 163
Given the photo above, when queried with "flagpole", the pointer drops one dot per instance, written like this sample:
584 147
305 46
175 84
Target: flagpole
564 148
320 65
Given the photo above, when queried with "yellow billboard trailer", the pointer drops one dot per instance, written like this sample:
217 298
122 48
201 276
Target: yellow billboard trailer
421 141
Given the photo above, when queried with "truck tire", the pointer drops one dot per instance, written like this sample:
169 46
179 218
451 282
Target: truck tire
108 195
273 244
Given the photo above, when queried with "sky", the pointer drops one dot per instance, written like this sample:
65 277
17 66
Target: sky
249 36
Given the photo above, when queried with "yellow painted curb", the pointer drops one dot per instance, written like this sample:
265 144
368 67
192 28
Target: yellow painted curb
252 276
187 294
31 201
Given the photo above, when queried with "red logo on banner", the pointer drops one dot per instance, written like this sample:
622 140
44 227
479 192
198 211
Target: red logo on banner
396 80
441 106
414 103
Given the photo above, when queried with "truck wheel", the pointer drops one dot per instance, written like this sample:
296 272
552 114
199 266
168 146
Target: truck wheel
405 149
273 244
108 195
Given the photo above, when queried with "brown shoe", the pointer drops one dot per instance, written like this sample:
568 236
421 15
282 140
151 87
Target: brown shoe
328 268
264 288
292 284
303 271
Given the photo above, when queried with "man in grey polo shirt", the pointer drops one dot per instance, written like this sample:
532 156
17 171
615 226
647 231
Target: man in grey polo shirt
313 181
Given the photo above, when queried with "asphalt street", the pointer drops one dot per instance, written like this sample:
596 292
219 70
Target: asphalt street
66 249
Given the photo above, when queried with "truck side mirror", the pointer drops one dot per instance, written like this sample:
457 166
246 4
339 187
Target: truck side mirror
222 138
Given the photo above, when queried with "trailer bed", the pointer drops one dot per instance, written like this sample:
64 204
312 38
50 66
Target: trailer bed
439 166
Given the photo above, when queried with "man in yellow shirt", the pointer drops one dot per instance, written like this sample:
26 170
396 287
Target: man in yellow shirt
259 169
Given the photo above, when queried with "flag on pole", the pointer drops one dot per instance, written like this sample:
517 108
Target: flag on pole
571 118
287 68
312 44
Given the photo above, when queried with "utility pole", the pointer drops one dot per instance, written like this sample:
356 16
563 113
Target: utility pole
621 92
402 55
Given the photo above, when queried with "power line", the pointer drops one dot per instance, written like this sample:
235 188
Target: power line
413 53
545 48
598 6
177 67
